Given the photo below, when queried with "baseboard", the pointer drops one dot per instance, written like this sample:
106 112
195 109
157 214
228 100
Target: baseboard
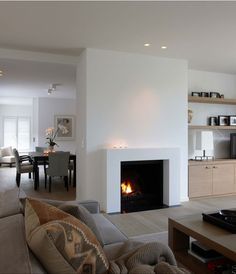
184 199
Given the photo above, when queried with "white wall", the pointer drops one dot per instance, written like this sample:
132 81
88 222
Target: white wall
217 82
133 99
49 107
35 125
13 111
81 83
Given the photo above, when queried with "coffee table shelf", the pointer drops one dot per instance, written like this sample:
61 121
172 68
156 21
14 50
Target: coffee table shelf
180 231
191 263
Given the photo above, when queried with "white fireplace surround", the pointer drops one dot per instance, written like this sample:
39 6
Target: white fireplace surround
171 172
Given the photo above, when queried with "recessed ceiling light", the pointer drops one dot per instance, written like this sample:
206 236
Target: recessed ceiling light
147 45
163 47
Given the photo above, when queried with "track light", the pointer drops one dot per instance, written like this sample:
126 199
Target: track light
52 88
49 91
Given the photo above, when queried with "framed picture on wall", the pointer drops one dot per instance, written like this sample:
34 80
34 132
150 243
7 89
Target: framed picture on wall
213 121
65 124
214 94
196 94
223 120
232 120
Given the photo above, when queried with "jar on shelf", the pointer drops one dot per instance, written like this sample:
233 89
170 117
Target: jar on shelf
190 115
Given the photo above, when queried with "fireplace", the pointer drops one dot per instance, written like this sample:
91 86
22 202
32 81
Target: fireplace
110 191
141 185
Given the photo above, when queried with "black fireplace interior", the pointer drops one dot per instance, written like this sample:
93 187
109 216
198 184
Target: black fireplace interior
141 185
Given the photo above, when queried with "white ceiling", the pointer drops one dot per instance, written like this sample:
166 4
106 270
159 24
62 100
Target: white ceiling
33 79
201 32
204 33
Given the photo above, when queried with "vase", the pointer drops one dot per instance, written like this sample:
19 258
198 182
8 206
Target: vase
190 116
50 148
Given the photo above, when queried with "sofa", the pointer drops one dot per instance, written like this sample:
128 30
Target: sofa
6 156
16 256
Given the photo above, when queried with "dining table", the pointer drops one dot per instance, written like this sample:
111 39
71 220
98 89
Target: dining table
39 157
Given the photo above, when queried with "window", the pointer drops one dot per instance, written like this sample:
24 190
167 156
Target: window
17 132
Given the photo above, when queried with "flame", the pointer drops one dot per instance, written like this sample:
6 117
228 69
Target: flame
126 187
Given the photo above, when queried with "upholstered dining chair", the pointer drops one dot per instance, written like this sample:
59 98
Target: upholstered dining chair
40 149
24 164
43 163
71 168
58 166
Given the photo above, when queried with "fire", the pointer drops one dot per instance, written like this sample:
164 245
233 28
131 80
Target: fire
126 187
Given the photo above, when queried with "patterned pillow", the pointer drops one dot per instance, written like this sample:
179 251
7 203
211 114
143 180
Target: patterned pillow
81 213
62 243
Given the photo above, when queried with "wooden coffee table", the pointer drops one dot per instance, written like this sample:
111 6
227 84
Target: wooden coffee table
180 231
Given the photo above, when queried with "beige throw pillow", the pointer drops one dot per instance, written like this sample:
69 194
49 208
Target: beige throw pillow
62 243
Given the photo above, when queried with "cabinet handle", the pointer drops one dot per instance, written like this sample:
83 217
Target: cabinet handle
215 167
207 167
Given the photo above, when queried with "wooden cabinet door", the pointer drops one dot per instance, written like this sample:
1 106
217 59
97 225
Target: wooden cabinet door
200 181
223 178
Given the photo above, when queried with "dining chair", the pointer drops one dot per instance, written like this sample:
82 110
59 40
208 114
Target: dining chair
43 163
71 168
58 166
40 149
24 164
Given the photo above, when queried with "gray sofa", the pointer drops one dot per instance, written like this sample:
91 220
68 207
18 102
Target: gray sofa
15 256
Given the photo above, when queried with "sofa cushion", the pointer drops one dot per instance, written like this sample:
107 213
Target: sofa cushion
36 266
14 255
62 243
109 232
161 237
9 202
91 205
81 213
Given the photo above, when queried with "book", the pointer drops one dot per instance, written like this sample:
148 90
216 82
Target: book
203 251
202 259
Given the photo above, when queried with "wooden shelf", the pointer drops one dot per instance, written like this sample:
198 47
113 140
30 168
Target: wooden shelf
212 127
190 262
180 230
209 100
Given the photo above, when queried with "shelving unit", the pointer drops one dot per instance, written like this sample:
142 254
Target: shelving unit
209 100
209 178
212 127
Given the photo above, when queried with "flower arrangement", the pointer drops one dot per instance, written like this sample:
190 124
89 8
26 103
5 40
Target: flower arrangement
51 134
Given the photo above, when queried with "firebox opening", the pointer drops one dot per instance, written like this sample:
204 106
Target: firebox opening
141 185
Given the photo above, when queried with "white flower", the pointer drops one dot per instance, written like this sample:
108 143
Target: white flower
49 131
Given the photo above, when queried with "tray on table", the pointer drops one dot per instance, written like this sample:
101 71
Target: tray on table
217 219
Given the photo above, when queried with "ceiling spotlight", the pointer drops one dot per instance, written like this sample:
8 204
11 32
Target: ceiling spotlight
49 91
1 73
53 87
163 47
147 45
